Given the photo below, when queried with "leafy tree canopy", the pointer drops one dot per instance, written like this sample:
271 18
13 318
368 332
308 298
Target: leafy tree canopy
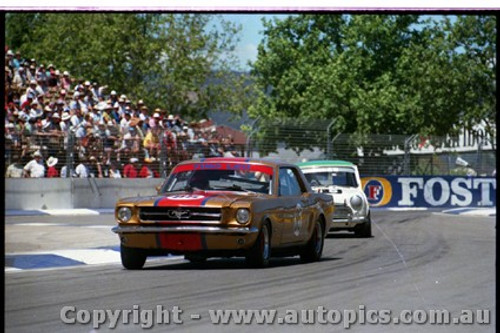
379 74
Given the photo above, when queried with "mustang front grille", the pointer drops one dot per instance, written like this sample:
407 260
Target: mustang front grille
180 214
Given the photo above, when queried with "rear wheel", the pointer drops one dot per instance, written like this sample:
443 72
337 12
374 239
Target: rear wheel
260 252
132 258
314 248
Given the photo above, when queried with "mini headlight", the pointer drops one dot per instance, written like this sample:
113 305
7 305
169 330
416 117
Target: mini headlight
242 215
356 202
124 214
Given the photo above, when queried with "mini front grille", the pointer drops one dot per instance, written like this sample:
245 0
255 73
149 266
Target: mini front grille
180 214
341 211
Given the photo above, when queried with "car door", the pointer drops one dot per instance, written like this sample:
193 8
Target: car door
296 207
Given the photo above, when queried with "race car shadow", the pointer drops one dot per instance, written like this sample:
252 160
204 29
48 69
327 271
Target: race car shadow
231 264
341 235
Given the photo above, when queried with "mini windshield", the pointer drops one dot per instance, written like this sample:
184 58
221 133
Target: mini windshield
217 180
338 178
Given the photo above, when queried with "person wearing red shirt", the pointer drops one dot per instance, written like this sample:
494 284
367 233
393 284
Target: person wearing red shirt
130 169
147 170
52 171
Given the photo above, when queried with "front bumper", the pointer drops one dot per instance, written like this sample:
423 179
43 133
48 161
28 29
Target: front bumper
181 239
347 223
345 218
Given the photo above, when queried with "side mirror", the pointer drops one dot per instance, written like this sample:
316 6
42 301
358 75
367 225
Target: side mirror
158 188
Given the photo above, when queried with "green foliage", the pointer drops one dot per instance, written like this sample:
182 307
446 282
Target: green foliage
379 74
174 61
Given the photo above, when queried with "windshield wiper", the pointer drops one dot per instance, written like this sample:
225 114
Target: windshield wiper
234 187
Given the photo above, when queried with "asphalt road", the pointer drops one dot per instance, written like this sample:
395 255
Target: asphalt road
415 261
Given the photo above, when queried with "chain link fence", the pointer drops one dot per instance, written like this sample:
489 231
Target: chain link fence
380 154
290 140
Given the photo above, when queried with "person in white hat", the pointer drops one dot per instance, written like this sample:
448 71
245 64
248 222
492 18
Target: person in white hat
35 167
66 81
31 90
52 171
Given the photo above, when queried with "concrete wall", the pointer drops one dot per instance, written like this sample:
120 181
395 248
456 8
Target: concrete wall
67 193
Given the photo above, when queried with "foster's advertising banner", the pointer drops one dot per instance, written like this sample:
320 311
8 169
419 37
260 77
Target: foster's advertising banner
430 191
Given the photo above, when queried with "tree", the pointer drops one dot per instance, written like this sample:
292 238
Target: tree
180 62
378 74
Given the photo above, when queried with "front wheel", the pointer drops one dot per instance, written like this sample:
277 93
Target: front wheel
314 248
364 230
260 252
132 258
195 258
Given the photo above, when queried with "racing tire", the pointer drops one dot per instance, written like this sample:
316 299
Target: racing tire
195 258
313 250
364 230
260 252
132 258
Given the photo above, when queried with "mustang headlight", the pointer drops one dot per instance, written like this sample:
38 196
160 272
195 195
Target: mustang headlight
242 215
356 203
124 214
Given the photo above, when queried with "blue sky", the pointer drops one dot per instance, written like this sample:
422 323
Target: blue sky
250 34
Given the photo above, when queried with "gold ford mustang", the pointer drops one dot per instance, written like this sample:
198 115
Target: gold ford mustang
224 207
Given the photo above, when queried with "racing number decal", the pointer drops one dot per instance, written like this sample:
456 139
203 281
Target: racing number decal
183 200
297 221
186 197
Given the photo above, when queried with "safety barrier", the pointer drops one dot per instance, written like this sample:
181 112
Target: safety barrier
67 193
430 191
384 191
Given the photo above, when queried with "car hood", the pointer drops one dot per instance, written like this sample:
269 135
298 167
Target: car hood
194 199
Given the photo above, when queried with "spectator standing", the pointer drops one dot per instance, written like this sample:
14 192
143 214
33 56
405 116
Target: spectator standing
52 171
155 121
95 168
65 123
114 172
66 81
130 169
16 61
15 170
146 170
131 142
64 172
31 73
35 167
81 170
53 79
151 142
9 58
77 104
19 79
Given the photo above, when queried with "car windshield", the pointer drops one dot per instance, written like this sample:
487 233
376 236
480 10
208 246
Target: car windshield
338 178
216 180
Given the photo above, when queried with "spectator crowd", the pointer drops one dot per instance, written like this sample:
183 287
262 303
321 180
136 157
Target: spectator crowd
52 118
